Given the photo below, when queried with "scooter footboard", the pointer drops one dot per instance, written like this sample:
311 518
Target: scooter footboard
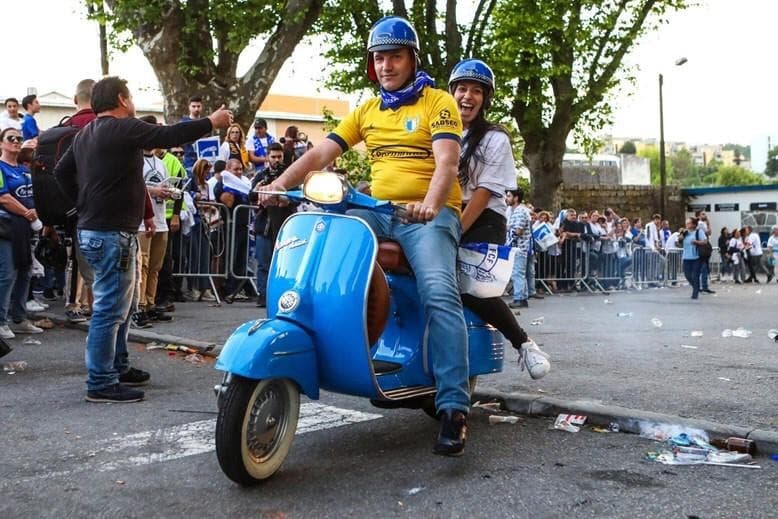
272 348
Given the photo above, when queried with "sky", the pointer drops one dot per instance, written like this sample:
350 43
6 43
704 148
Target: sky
726 92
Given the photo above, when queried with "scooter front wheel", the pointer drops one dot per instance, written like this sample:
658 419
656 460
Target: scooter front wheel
255 427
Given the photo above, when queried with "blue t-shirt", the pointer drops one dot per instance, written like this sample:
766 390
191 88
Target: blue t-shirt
690 249
16 181
29 127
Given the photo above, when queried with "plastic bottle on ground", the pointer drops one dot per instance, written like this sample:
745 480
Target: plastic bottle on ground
656 322
624 314
12 367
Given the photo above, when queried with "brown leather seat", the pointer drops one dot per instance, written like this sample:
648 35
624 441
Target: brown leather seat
377 305
392 258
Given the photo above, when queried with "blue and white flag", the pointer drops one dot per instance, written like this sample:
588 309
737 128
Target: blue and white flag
235 185
543 234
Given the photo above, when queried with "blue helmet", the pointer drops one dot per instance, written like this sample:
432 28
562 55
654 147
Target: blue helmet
389 33
472 69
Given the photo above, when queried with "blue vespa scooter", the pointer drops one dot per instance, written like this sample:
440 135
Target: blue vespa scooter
343 316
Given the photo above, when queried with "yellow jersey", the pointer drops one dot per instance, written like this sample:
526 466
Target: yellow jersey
399 144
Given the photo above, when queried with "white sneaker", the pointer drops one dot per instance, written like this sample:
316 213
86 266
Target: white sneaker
194 294
25 327
6 333
534 360
41 302
207 295
33 306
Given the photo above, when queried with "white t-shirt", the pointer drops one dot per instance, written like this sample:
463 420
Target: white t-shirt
756 244
493 168
672 241
773 242
7 122
211 184
154 174
652 236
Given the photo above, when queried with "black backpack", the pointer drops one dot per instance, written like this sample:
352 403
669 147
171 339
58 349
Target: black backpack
53 206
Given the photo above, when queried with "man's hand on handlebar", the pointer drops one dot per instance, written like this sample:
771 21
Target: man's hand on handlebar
268 195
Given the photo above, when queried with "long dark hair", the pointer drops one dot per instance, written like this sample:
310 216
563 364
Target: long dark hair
471 144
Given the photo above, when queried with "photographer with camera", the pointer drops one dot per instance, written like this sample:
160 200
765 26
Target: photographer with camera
269 219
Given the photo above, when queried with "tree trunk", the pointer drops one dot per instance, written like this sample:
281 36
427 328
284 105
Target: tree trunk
544 161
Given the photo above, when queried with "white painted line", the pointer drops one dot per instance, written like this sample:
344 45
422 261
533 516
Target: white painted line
180 441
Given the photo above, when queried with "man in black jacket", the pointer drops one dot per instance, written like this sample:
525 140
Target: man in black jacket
102 171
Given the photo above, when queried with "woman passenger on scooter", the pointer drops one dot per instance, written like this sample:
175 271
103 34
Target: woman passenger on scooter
486 171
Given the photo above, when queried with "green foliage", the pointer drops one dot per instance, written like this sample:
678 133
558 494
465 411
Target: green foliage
524 185
354 162
652 154
771 168
628 148
737 176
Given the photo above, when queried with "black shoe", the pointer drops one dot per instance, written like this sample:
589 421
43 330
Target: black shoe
134 377
261 303
115 393
140 320
166 306
737 282
708 291
49 295
453 433
769 278
156 315
537 296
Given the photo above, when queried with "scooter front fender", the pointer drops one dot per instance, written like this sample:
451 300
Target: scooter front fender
272 348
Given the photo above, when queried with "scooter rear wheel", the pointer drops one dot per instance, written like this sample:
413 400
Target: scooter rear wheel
255 427
429 405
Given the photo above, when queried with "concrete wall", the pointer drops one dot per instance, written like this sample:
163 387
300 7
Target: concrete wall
635 171
627 201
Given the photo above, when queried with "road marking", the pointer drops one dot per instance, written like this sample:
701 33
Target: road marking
180 441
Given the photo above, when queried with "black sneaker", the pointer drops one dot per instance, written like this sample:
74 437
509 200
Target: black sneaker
74 316
261 303
453 433
140 320
166 306
115 393
49 295
156 315
134 377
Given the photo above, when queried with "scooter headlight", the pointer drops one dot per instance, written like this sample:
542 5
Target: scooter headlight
325 187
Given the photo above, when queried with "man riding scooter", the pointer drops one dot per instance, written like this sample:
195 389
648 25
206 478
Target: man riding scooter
412 132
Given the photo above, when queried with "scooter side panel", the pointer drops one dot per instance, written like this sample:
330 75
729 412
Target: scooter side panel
326 260
486 350
272 349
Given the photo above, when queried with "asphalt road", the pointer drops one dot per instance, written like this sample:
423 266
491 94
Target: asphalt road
66 458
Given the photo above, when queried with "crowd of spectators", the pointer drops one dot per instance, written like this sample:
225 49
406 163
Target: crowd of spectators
179 188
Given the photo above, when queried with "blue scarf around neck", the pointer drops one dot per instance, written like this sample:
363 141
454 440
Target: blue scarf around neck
397 98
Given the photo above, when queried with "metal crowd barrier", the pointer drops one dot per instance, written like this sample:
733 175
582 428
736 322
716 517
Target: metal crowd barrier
243 265
204 253
578 265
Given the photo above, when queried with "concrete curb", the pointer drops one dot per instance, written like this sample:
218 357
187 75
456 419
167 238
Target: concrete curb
628 419
142 336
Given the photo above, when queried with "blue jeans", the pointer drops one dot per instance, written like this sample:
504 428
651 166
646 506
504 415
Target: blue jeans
14 285
199 257
263 251
531 291
431 250
691 270
519 277
112 256
704 272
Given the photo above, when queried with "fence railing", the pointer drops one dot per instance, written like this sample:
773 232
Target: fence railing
576 264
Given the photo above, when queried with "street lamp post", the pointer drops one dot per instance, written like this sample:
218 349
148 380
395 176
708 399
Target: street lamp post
662 164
